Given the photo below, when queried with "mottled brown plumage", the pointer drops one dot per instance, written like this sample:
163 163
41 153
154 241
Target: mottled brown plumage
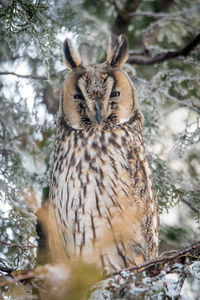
102 191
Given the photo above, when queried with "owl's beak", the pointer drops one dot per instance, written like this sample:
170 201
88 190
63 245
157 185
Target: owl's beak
97 108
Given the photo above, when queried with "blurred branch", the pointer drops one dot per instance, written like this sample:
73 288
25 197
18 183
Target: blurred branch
183 103
114 3
163 15
32 76
153 29
16 277
24 247
189 204
24 76
179 7
192 251
124 16
167 55
4 268
173 19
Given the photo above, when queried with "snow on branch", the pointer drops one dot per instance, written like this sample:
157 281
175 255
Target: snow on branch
4 268
30 76
192 251
139 13
167 55
189 204
24 247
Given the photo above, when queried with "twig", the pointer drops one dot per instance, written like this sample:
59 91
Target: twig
114 3
24 76
4 268
123 18
162 15
172 19
179 7
32 76
144 52
23 276
189 204
182 103
17 245
159 260
168 55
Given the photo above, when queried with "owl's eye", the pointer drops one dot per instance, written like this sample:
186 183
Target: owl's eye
78 96
115 94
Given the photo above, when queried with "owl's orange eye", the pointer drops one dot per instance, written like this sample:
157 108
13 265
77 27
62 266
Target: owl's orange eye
115 94
78 96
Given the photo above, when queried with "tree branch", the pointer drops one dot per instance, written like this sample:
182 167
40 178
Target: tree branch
24 247
189 205
163 15
32 76
166 56
186 252
22 275
114 3
24 76
182 103
124 17
4 268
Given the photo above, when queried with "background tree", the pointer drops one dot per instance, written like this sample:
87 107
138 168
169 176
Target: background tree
164 64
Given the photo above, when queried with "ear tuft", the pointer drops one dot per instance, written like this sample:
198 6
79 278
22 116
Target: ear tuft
118 50
71 55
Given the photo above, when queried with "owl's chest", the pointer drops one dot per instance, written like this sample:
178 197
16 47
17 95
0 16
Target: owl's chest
100 184
91 184
93 171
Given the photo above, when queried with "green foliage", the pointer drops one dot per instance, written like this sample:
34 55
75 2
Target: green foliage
24 18
18 228
168 193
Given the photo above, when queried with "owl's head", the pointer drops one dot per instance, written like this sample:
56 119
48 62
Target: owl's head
98 95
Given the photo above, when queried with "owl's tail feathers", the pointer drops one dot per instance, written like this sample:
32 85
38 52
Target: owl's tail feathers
57 250
50 249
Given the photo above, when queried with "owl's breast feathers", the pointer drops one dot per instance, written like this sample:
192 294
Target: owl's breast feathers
103 190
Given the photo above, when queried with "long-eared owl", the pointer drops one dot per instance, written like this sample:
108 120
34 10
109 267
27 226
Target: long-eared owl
102 192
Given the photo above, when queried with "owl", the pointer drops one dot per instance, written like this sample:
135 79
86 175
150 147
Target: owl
102 192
